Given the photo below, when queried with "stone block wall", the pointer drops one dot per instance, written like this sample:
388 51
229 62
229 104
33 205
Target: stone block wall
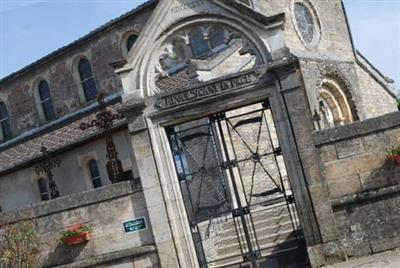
376 97
104 210
363 186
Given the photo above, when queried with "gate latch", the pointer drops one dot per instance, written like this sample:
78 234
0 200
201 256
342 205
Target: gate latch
229 164
237 212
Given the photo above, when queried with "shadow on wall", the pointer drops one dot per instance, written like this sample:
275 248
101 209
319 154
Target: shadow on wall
388 174
69 254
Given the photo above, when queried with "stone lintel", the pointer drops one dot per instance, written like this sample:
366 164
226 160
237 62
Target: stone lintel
357 129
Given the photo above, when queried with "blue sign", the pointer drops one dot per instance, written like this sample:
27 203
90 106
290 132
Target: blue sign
134 225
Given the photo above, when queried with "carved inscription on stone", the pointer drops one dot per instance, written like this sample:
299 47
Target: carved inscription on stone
189 5
206 90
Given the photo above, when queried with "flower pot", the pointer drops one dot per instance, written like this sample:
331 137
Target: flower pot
395 158
78 239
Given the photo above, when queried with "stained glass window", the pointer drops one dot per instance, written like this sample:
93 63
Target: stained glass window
305 23
45 101
5 133
87 79
95 174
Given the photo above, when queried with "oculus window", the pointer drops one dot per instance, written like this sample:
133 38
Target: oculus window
306 23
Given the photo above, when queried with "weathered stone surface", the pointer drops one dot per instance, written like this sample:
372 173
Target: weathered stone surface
103 209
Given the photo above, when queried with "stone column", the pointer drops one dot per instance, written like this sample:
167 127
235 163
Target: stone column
293 116
156 207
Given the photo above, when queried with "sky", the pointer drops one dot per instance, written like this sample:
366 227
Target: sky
31 29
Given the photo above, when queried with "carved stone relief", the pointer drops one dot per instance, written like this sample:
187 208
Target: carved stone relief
200 53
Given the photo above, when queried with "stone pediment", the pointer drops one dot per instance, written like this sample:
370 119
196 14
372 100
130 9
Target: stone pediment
187 42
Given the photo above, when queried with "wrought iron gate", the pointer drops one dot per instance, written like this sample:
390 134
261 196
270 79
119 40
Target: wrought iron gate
235 187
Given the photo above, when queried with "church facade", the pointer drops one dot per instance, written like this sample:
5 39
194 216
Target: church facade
253 134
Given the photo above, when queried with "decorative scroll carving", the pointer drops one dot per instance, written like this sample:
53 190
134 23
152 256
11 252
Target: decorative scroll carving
201 53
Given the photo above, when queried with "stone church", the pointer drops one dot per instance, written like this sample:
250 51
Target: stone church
251 133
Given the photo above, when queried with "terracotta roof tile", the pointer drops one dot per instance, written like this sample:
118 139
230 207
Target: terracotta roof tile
55 140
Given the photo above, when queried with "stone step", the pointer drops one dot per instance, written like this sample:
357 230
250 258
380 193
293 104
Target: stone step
229 260
261 231
263 242
260 224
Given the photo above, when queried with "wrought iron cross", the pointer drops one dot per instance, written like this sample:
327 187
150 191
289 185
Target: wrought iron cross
46 167
104 121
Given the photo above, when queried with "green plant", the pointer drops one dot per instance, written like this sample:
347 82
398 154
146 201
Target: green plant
75 231
395 151
19 246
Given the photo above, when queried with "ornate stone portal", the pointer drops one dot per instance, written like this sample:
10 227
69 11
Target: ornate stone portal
199 70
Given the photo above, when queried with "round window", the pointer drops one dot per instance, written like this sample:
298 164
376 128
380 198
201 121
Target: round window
306 25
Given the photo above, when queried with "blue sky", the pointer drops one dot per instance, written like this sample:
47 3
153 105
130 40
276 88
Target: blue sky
31 29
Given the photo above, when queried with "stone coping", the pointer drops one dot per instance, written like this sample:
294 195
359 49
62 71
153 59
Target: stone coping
111 257
68 202
365 196
357 129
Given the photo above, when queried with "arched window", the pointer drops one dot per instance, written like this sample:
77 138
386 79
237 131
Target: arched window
87 79
334 104
43 189
305 22
94 173
5 133
130 41
45 101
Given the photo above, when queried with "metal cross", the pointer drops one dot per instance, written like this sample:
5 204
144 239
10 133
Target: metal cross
104 121
46 167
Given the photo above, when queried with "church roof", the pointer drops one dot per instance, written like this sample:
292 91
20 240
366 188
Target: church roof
66 134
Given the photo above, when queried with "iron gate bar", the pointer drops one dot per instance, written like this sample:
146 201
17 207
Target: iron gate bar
202 171
280 173
251 151
256 153
241 181
242 216
228 165
219 132
202 262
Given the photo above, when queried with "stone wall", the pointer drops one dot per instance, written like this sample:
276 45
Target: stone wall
376 99
363 185
104 210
